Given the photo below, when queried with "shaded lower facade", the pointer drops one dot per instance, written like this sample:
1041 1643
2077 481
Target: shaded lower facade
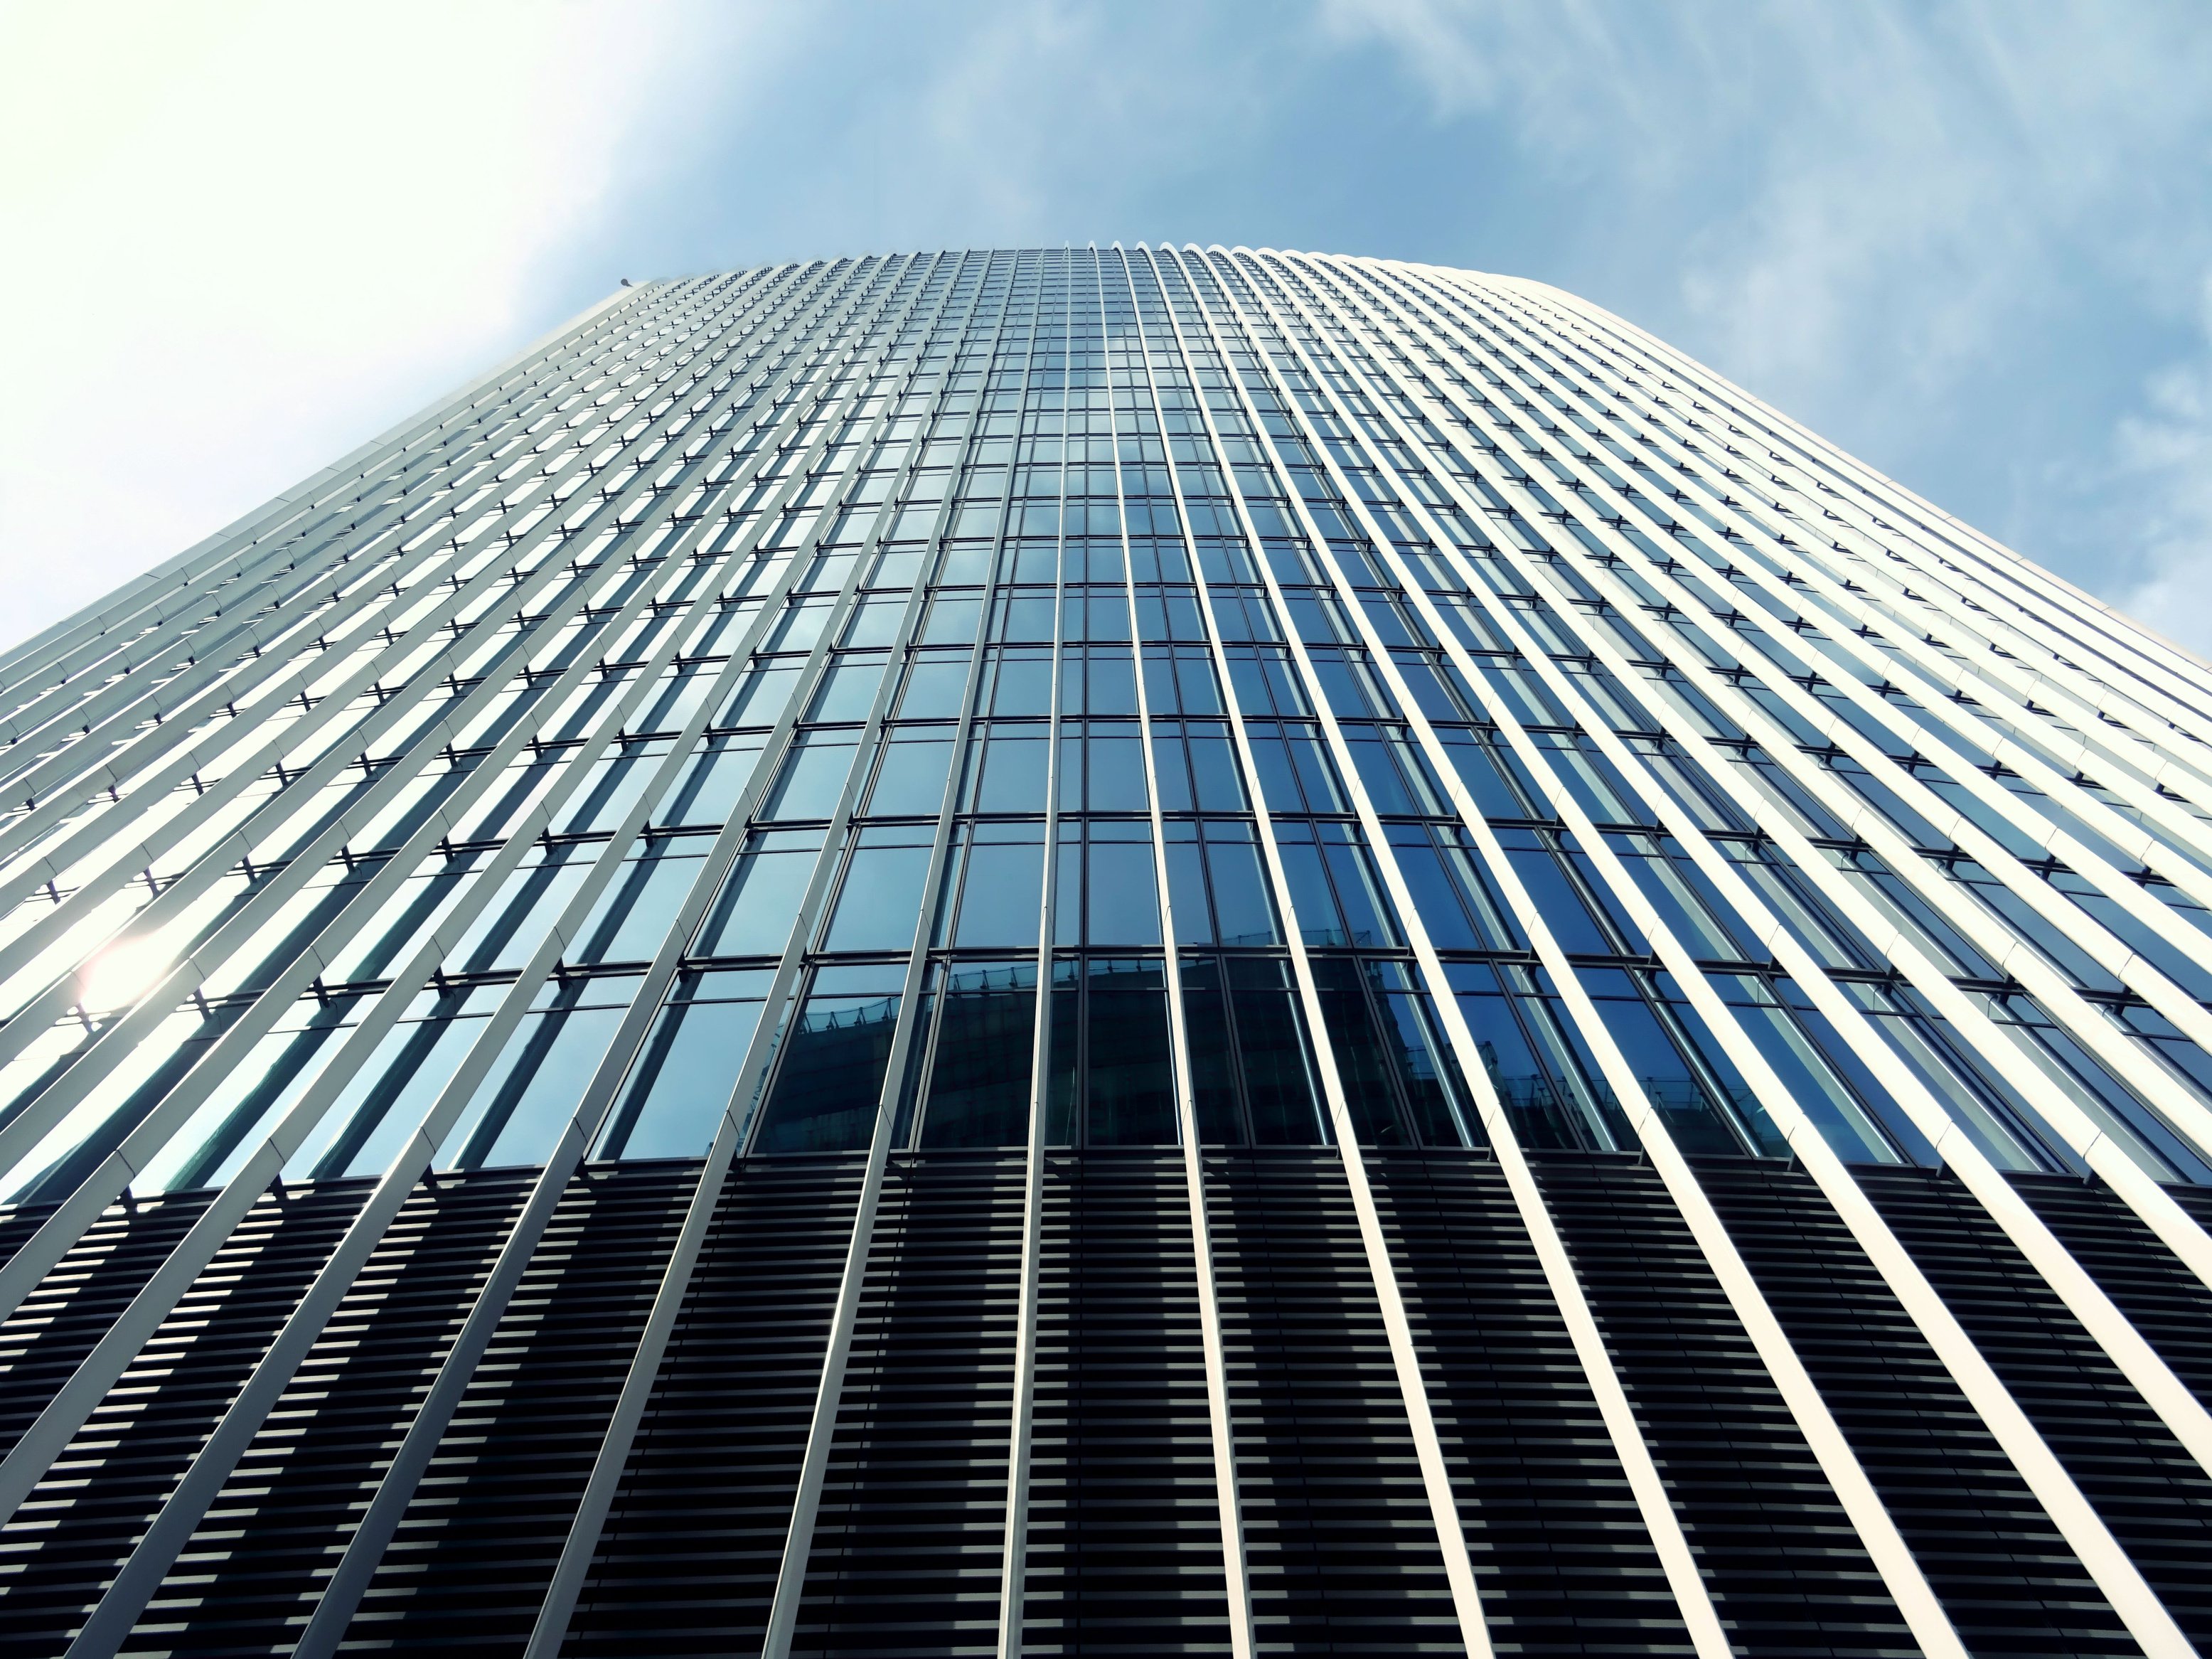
1122 1539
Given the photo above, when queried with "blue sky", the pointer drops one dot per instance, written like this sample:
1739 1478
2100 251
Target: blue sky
1971 243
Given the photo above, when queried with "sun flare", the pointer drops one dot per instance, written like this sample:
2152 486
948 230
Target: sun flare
122 973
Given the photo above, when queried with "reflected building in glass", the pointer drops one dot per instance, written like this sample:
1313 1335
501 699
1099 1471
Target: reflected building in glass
1104 951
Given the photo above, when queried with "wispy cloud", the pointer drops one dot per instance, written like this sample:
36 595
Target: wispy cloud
1967 241
1886 217
241 236
2163 455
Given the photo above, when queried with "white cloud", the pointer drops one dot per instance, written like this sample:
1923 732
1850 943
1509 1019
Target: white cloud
2164 455
1803 164
1875 215
243 237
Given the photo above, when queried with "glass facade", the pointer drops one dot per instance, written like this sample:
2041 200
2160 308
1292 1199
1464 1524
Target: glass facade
1105 950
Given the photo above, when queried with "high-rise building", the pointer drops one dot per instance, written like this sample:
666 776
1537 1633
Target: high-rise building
1104 951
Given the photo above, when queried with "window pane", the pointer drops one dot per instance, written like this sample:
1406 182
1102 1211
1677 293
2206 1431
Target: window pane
709 789
881 899
1308 882
543 1080
979 1086
1027 617
1426 1072
1111 679
1367 913
273 1075
1012 772
382 1103
1212 1063
1129 1083
1123 907
826 1090
1066 1051
675 1097
1242 911
934 688
639 906
1194 923
952 620
1357 1045
760 699
1171 770
875 622
1002 888
510 927
812 777
910 783
1116 767
613 787
1271 1045
753 917
1213 764
848 690
1022 684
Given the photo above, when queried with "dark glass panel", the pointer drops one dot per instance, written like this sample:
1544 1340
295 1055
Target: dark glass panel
1213 765
1128 1078
1317 771
1271 1045
1554 896
1307 880
1368 917
1363 1062
1428 1074
1064 1061
826 1090
1386 789
1172 770
1212 1060
1277 777
1489 772
1436 895
1541 1118
979 1080
1067 886
1665 1075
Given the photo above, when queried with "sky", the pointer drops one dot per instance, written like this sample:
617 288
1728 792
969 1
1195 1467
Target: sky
1970 243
